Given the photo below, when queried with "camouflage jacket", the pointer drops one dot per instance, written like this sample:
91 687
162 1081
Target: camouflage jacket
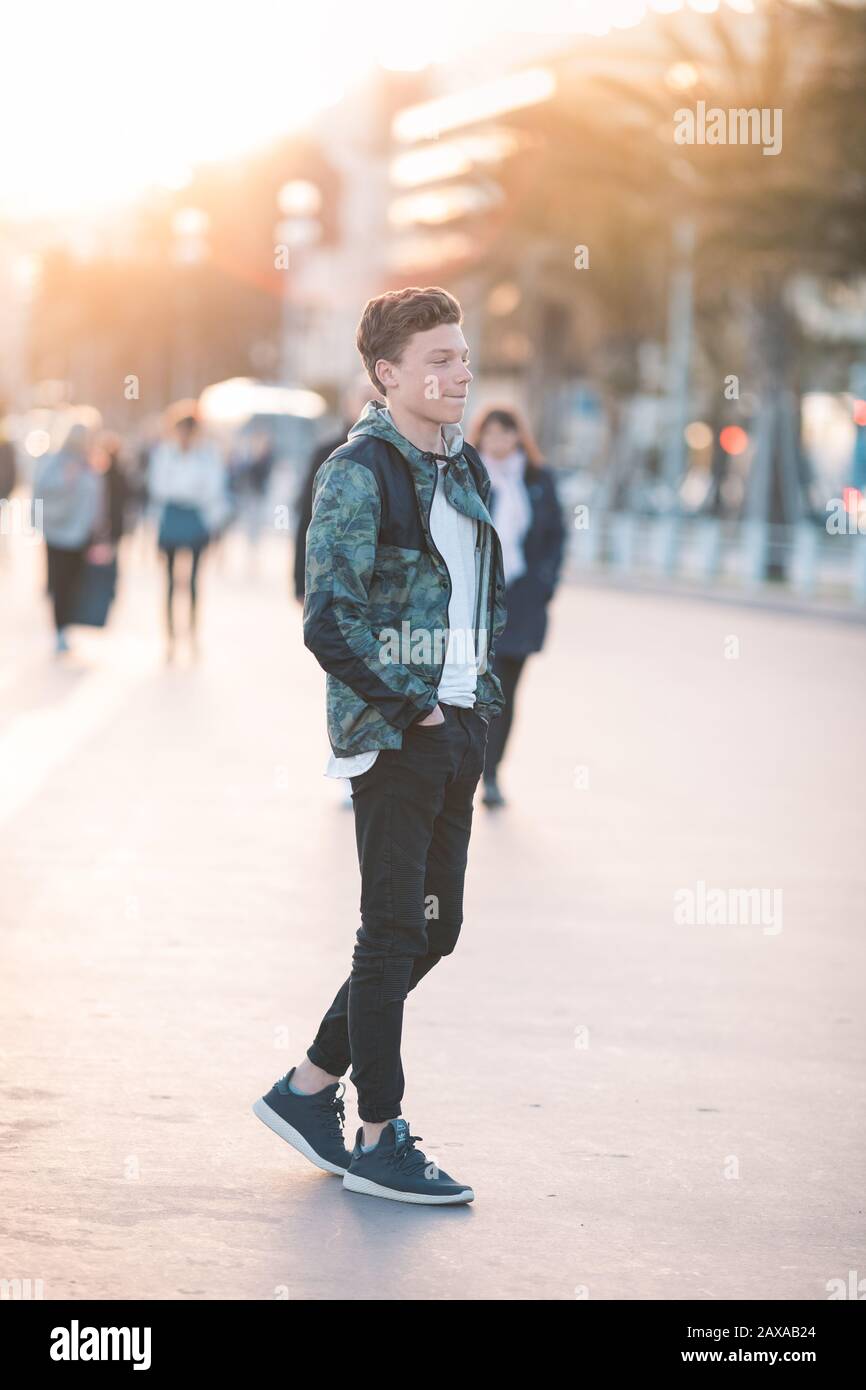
377 590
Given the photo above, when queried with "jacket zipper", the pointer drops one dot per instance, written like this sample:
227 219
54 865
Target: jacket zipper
442 558
493 567
480 547
491 594
492 542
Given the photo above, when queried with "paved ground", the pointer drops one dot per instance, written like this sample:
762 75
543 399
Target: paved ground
645 1108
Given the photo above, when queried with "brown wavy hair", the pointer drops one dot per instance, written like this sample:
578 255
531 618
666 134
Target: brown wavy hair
389 320
510 418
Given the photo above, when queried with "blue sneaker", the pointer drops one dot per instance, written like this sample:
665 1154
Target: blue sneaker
397 1170
311 1124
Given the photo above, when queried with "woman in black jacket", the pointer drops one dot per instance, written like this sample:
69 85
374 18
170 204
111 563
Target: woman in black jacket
107 460
528 518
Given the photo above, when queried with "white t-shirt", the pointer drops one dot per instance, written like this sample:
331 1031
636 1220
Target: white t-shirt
454 537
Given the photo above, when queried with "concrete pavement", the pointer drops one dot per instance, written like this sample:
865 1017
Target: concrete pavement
646 1107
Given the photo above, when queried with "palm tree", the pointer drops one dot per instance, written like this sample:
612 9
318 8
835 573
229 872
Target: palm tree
602 167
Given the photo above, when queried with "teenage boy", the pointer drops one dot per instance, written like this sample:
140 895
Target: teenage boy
404 599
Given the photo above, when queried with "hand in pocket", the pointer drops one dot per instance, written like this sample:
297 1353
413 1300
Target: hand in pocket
432 717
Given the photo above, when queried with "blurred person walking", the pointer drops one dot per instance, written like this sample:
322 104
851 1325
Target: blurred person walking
8 478
254 482
119 491
188 485
97 586
71 495
139 513
527 515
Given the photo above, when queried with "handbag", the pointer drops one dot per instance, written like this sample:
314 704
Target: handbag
181 528
95 593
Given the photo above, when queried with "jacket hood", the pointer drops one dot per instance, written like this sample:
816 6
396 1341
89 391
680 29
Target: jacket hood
376 419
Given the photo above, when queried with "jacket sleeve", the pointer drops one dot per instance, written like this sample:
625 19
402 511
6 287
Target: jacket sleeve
305 515
500 617
340 556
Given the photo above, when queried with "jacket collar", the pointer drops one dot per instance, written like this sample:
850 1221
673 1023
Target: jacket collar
375 419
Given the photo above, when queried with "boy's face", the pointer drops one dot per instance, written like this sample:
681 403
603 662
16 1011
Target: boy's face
432 377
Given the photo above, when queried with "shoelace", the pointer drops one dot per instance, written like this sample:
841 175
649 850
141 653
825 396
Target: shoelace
335 1109
410 1158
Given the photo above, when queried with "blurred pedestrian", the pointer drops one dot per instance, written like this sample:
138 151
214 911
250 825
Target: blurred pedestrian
8 475
139 520
8 471
187 482
253 467
71 495
118 492
527 515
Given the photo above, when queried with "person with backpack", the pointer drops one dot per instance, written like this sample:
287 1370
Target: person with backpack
403 604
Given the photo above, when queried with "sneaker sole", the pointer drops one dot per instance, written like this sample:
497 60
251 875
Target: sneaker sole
293 1137
354 1183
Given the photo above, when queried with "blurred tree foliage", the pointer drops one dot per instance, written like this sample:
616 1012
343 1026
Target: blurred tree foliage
600 166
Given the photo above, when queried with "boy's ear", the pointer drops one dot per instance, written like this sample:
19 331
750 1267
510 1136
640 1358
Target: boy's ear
385 372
